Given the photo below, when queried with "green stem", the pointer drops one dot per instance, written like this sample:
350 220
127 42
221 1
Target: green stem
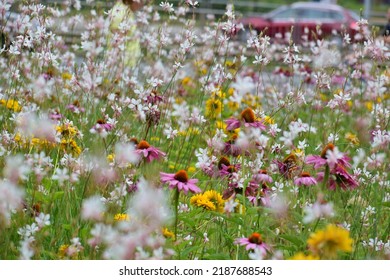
177 193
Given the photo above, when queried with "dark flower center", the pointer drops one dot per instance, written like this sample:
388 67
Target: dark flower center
223 160
248 115
134 141
101 121
263 171
255 238
231 169
305 174
142 145
181 176
330 146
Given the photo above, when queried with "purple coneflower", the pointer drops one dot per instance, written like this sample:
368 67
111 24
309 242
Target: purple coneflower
262 177
254 241
248 118
305 180
148 152
180 181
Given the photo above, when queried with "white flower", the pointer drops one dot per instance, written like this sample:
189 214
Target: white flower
43 220
230 205
317 210
93 208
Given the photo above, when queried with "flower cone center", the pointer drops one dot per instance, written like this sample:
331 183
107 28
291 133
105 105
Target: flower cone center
255 238
142 145
248 115
181 176
330 146
223 160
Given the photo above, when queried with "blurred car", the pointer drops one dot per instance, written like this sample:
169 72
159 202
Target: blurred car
304 18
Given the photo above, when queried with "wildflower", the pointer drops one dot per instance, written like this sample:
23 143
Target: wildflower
11 104
262 177
302 256
305 180
149 152
181 181
213 108
209 200
328 242
248 118
42 220
11 198
92 208
121 217
62 250
254 241
167 233
319 209
352 138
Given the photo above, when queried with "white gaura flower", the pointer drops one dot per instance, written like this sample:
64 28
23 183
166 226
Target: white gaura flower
93 208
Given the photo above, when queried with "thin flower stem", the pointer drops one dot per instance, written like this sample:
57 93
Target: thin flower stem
176 200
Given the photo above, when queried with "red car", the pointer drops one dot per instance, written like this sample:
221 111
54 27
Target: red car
304 18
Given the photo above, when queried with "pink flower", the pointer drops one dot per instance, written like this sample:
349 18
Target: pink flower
305 180
262 177
248 120
232 124
149 152
316 160
180 181
254 241
227 170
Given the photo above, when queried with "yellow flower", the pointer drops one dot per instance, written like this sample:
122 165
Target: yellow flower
186 81
369 105
352 138
209 200
66 76
230 91
111 158
62 250
70 144
302 256
213 108
67 130
167 233
121 217
328 242
11 104
191 169
269 120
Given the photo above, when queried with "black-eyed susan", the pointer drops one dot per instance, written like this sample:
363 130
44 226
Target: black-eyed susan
11 104
213 108
326 243
209 200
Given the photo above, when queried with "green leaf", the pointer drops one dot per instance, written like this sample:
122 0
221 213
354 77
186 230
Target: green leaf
293 239
58 195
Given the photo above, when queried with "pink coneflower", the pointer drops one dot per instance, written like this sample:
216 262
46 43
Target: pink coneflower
180 181
149 152
305 180
248 119
330 155
339 177
228 170
262 177
254 241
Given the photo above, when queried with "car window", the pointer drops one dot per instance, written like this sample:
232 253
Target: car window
336 15
311 14
288 13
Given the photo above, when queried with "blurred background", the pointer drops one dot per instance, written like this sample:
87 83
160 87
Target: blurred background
373 10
